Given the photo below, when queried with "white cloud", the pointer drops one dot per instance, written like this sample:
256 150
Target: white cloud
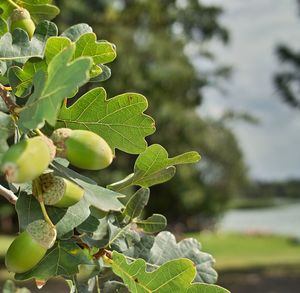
257 26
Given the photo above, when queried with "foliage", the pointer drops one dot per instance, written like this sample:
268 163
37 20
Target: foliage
161 47
39 78
288 79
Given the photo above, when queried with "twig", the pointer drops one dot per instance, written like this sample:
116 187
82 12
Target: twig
8 194
13 4
5 95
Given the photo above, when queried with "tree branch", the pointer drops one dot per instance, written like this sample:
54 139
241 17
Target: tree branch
5 95
8 194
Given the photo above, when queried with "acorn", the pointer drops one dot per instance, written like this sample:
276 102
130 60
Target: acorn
27 159
20 18
30 247
60 192
82 148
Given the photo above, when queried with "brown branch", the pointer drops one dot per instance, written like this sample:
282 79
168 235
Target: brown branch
8 194
5 95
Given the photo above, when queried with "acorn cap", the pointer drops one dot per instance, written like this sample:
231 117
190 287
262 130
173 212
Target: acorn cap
42 233
19 14
59 137
60 192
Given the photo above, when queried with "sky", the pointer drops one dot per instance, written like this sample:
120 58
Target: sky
272 148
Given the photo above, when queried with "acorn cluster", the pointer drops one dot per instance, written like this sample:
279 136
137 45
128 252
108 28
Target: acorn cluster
29 160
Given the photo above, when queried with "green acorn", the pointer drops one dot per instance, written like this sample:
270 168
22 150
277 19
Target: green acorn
60 192
82 148
27 159
30 247
20 18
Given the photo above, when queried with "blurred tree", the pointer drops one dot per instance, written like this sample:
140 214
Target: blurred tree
288 80
163 54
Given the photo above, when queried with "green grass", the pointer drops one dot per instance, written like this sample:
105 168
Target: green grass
238 251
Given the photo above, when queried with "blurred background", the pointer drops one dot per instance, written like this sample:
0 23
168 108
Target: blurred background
222 78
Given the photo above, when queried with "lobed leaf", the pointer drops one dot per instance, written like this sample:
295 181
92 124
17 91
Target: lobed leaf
50 90
206 288
173 276
153 166
153 224
165 248
119 120
38 9
74 32
18 47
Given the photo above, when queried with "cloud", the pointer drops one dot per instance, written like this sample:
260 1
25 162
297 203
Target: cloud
272 148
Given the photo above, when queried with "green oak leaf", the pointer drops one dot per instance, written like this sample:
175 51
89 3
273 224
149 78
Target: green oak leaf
61 260
28 210
206 288
20 79
102 52
6 8
18 47
153 224
38 9
153 166
74 32
3 26
97 196
54 46
50 90
136 203
65 220
165 248
119 120
90 225
6 130
122 238
173 276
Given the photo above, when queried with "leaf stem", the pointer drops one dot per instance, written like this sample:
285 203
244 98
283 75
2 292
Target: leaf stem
38 189
8 194
13 4
38 132
97 284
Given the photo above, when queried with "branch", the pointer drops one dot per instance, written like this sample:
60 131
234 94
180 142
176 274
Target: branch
8 194
5 95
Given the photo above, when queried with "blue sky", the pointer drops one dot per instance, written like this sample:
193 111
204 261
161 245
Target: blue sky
272 149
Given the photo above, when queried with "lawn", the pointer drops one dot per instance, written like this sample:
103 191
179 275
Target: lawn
238 251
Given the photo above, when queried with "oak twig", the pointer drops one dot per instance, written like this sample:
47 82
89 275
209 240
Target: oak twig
8 194
5 95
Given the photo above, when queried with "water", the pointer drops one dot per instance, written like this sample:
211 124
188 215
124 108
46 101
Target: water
283 220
